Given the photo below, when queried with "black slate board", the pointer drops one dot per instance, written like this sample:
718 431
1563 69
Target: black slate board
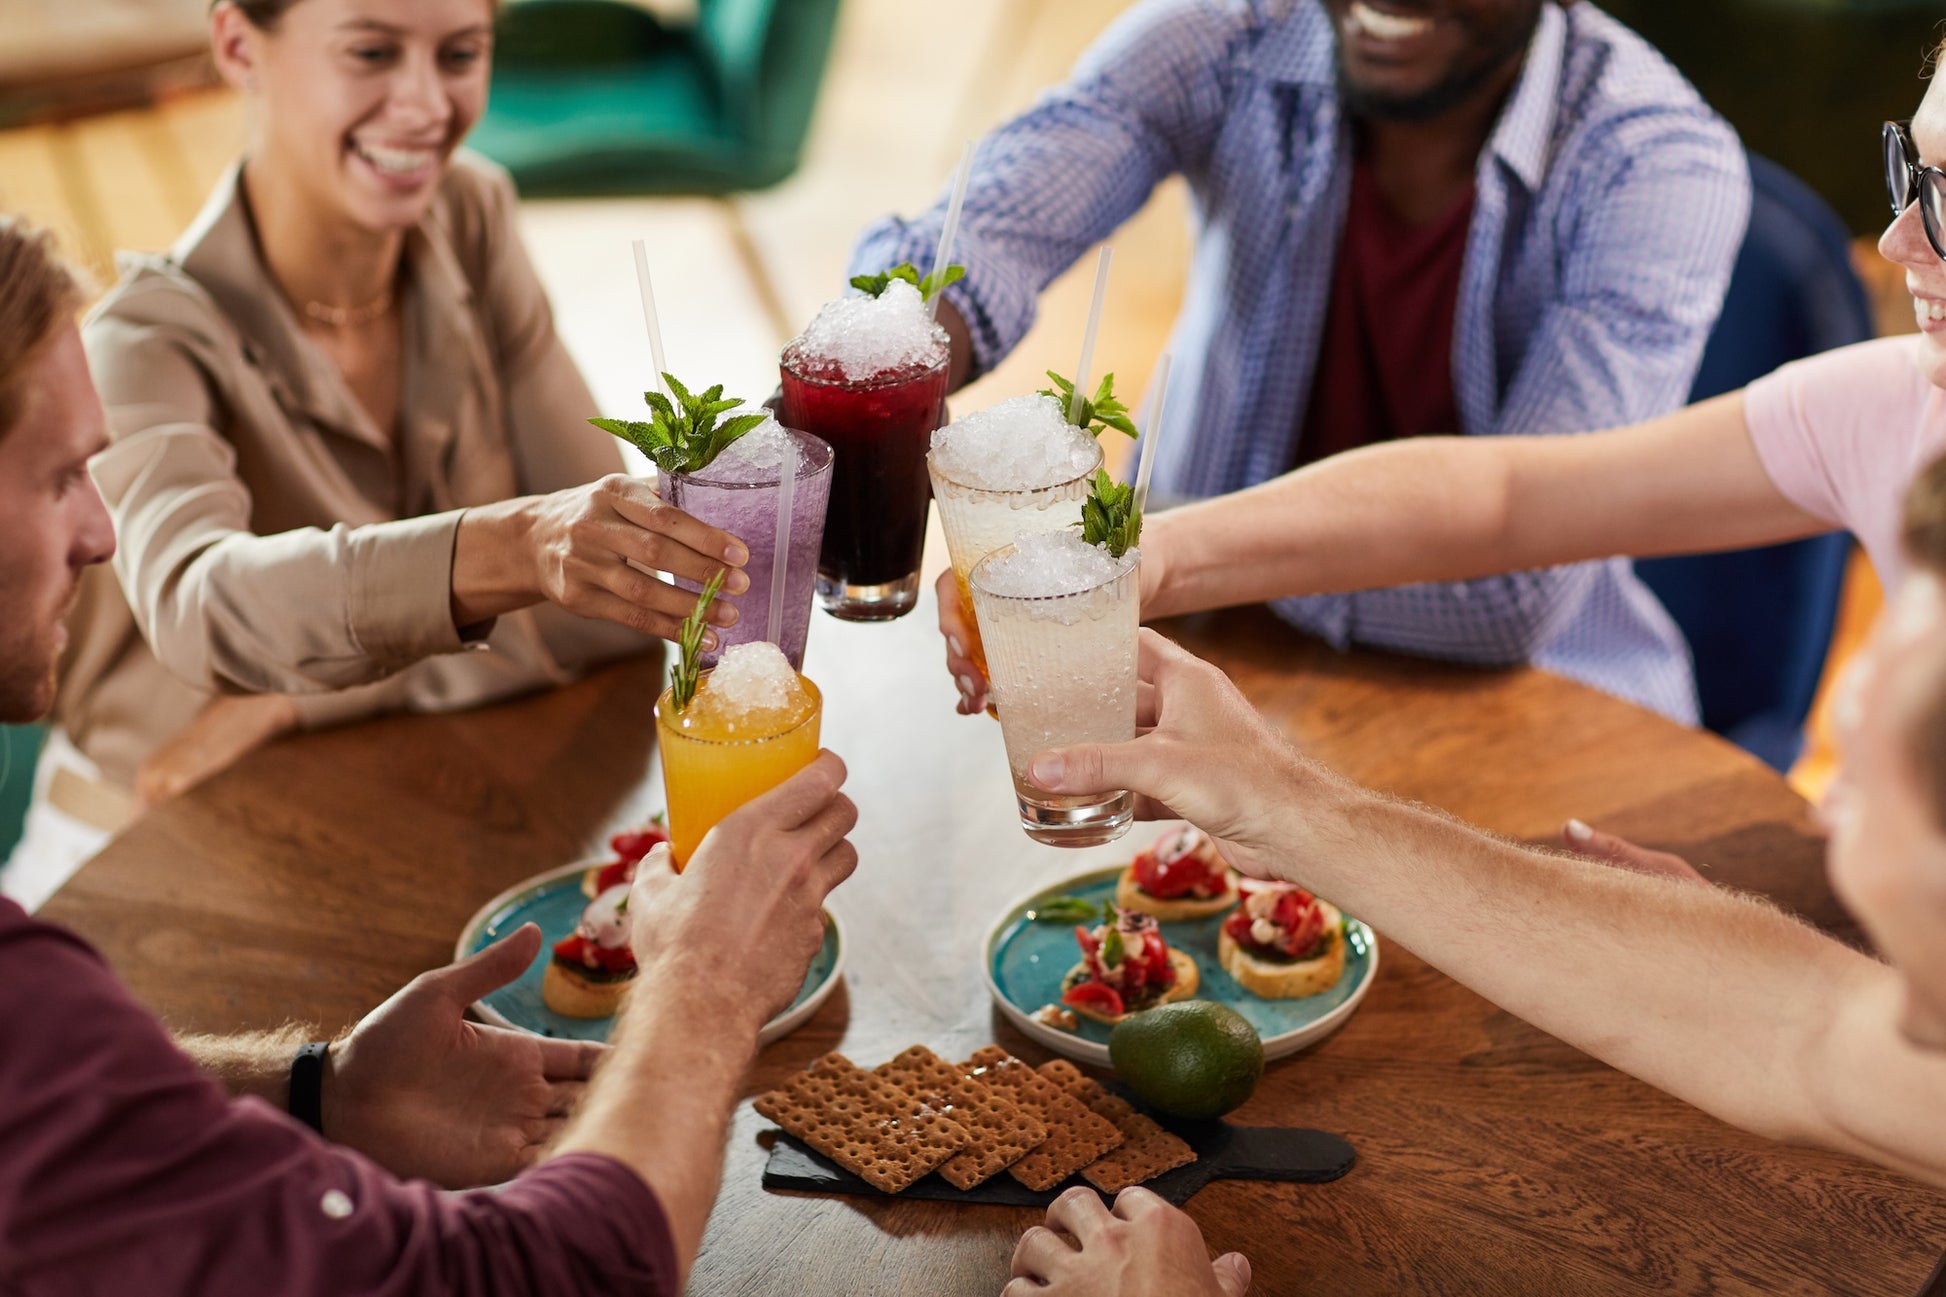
1223 1152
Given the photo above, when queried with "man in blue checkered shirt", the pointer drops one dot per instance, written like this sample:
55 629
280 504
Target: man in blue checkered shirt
1413 216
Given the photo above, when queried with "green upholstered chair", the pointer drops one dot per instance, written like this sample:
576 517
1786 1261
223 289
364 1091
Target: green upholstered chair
598 97
20 748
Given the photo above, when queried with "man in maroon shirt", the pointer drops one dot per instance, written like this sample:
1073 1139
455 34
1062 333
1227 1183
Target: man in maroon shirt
125 1167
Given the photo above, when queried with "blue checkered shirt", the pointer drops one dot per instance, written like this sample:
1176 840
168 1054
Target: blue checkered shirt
1609 206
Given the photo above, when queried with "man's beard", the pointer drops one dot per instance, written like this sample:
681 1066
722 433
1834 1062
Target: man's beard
1505 45
30 666
26 692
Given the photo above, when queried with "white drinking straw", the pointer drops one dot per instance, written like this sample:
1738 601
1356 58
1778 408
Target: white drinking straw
1088 339
943 257
648 312
781 559
1151 435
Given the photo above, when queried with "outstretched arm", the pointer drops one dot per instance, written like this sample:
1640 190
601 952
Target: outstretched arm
1435 509
662 1103
1454 508
1145 101
1796 1037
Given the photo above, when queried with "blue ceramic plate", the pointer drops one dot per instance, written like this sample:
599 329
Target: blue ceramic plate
554 901
1025 962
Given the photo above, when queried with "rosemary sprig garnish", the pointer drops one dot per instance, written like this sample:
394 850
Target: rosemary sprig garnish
1109 517
929 287
1097 415
683 436
682 681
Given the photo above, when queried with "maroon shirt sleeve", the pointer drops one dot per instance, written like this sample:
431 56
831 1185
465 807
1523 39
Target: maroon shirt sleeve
125 1169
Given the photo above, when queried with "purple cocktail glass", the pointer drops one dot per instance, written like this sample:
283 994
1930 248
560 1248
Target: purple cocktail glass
742 499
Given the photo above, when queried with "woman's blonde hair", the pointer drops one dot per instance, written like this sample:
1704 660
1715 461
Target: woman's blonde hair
38 293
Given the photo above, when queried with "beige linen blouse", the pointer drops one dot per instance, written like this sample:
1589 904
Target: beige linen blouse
272 539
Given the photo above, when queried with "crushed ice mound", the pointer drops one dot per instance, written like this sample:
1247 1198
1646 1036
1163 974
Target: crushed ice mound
1022 444
754 677
1045 564
759 455
865 337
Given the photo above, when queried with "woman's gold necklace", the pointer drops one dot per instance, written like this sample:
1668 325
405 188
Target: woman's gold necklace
348 317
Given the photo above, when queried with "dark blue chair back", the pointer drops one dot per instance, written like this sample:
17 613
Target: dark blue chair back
1759 621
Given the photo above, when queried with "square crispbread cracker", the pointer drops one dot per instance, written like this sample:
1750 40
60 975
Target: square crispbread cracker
1000 1130
1075 1135
865 1124
1147 1149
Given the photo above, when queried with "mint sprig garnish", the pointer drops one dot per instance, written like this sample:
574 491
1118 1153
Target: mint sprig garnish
684 435
929 287
1096 416
682 681
1109 517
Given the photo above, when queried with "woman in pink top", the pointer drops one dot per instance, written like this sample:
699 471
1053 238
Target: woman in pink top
1829 442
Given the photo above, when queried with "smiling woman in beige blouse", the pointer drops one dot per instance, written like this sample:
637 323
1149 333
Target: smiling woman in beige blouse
347 442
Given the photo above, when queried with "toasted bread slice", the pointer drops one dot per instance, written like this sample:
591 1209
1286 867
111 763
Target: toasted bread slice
573 994
1188 978
1276 979
1130 896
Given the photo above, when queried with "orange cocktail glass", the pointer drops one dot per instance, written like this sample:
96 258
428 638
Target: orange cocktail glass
715 759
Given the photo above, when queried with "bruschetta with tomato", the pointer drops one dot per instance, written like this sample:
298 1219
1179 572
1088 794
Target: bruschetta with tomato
1126 967
1182 876
628 846
1282 943
592 968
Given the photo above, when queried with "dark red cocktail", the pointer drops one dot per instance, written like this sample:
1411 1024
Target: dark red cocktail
880 429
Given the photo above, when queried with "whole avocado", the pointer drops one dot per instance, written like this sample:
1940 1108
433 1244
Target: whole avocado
1192 1059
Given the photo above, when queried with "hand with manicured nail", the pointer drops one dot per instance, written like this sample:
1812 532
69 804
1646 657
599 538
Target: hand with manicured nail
957 631
595 550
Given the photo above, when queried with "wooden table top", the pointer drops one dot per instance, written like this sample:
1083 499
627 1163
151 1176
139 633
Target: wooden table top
1493 1160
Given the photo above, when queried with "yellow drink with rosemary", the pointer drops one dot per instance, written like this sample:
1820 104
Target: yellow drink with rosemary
752 724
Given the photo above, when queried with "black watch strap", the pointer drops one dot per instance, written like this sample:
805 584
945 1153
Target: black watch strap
307 1085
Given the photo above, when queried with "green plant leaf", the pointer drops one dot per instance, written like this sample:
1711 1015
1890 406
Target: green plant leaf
682 681
1062 909
683 436
874 285
1098 415
1109 517
932 285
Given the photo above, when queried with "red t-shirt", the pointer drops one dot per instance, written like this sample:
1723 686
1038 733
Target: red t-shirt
124 1169
1385 364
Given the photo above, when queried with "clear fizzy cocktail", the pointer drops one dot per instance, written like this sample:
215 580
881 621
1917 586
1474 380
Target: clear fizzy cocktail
1059 616
740 491
1020 466
752 723
869 377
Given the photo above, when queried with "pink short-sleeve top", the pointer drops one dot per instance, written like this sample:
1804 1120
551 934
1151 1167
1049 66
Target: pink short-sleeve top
1844 433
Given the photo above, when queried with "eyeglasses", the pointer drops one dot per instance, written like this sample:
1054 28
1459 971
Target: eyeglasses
1905 180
